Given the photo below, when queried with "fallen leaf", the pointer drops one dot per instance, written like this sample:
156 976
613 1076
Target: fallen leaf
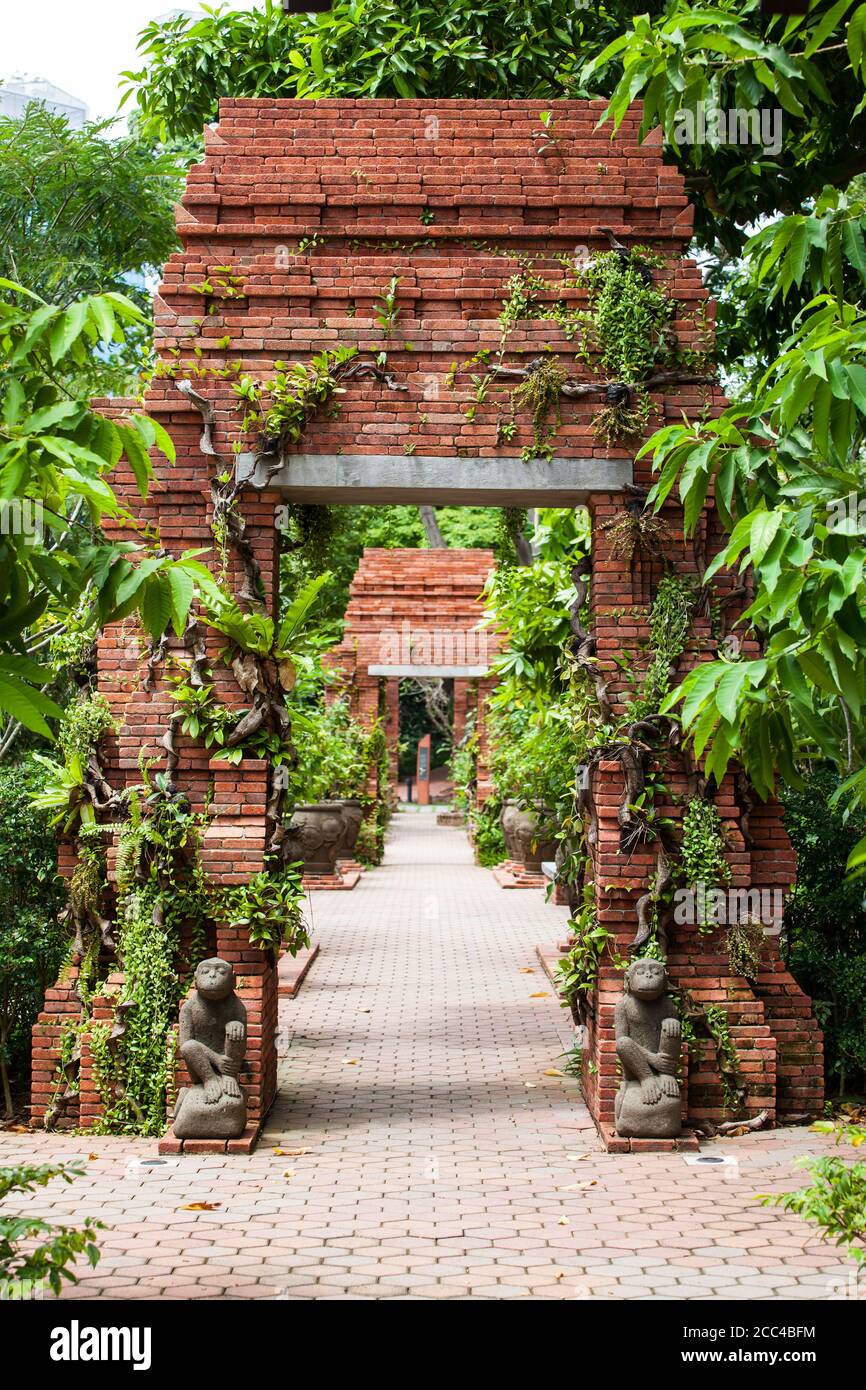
527 969
350 1061
541 994
202 1206
560 1274
365 1011
92 1156
552 1071
579 1186
530 1085
564 1221
576 1158
289 1173
291 1153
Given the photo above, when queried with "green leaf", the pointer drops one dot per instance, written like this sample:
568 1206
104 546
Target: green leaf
181 588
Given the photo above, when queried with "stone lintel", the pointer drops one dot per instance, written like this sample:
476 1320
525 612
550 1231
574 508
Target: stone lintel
372 479
428 672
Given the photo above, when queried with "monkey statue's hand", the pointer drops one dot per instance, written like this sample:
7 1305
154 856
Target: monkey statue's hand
234 1031
231 1088
666 1065
213 1089
651 1090
670 1028
670 1087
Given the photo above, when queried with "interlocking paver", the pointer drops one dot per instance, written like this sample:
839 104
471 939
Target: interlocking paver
432 1170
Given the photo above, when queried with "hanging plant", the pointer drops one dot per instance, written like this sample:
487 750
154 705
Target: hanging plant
630 318
744 943
540 394
636 531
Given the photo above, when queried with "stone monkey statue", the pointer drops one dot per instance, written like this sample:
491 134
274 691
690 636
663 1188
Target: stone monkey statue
213 1041
648 1046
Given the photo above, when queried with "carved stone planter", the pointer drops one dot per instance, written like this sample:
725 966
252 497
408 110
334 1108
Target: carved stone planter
315 836
528 838
353 813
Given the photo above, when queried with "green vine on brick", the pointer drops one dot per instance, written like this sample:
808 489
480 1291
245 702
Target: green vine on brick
702 856
669 627
577 972
711 1021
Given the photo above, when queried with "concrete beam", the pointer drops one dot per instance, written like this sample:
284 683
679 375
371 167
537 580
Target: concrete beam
425 672
377 479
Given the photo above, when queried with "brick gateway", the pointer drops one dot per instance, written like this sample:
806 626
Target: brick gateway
292 228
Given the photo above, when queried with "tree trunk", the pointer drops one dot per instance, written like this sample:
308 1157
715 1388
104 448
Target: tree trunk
8 1108
431 528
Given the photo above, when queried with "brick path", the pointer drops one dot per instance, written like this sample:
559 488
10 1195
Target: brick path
439 1161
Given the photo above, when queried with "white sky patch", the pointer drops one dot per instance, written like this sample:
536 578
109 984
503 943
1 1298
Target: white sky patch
82 45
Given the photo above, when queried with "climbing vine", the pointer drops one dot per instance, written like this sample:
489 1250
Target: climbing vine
702 856
577 972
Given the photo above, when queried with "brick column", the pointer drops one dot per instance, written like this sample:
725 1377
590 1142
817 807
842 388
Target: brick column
771 1023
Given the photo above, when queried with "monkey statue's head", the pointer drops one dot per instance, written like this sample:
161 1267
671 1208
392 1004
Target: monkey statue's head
646 978
214 979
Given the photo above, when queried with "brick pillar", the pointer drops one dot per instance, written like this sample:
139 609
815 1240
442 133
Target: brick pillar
771 1023
461 709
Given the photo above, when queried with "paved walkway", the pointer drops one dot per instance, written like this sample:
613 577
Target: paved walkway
419 1150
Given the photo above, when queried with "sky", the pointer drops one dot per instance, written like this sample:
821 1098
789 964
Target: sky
81 45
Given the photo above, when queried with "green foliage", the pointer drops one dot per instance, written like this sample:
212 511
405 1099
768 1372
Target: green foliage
719 1026
56 456
728 57
269 906
463 768
533 757
487 836
531 603
86 722
300 389
669 628
33 1251
162 896
83 213
257 634
786 459
630 317
334 757
375 48
835 1200
577 972
702 855
32 941
542 714
825 925
540 394
335 538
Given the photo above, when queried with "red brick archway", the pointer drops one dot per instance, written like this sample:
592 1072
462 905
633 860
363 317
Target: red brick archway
416 613
292 228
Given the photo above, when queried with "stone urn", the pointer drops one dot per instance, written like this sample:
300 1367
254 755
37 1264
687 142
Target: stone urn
528 836
353 814
508 818
315 836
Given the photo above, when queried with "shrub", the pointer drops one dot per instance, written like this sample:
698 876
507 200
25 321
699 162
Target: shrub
49 1258
835 1200
32 940
825 926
